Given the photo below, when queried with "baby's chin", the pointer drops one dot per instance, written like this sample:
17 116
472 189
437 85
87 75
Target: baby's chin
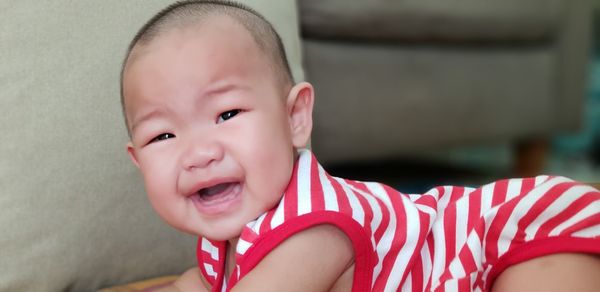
216 231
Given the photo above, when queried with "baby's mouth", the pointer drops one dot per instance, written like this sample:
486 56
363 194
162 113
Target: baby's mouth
219 193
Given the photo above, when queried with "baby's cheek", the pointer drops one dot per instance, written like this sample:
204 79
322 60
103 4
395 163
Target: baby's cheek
280 176
157 189
164 205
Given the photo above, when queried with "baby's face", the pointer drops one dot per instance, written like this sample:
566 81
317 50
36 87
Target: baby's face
210 128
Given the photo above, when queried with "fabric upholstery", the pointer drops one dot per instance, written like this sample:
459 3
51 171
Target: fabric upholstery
417 98
402 78
74 215
433 20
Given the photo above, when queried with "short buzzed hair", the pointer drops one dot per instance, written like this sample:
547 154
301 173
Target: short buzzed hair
183 14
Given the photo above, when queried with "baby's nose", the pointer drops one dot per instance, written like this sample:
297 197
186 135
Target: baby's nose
201 155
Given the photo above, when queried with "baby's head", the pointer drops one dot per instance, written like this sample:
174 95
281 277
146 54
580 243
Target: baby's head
213 115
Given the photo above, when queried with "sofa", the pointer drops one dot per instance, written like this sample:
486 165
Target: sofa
414 77
392 78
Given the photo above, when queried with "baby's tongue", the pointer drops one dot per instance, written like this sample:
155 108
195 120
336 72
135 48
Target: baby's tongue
207 193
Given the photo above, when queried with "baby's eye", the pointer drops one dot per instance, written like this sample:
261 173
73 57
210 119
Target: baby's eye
228 115
163 136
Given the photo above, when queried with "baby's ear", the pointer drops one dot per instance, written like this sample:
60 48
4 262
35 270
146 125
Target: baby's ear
132 156
300 103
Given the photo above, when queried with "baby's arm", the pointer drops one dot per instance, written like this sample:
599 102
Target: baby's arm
312 260
558 272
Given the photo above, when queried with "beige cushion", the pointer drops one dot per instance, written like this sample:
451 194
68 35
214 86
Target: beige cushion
432 20
73 213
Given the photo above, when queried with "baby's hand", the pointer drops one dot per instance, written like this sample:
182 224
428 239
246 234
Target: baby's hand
190 281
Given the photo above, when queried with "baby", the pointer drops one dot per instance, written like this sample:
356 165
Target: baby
218 129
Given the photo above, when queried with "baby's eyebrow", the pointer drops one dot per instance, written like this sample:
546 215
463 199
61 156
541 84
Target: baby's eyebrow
146 116
221 88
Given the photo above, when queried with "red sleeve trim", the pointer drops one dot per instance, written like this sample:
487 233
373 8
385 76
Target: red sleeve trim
200 254
200 260
542 247
364 255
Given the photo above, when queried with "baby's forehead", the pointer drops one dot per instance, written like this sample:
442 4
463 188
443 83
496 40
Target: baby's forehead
177 34
215 49
204 31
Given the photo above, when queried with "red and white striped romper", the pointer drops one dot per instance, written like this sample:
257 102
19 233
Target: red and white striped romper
448 239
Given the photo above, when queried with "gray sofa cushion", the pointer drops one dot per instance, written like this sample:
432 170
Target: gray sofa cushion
431 20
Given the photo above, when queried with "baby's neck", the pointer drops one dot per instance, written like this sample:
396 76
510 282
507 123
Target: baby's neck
230 256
